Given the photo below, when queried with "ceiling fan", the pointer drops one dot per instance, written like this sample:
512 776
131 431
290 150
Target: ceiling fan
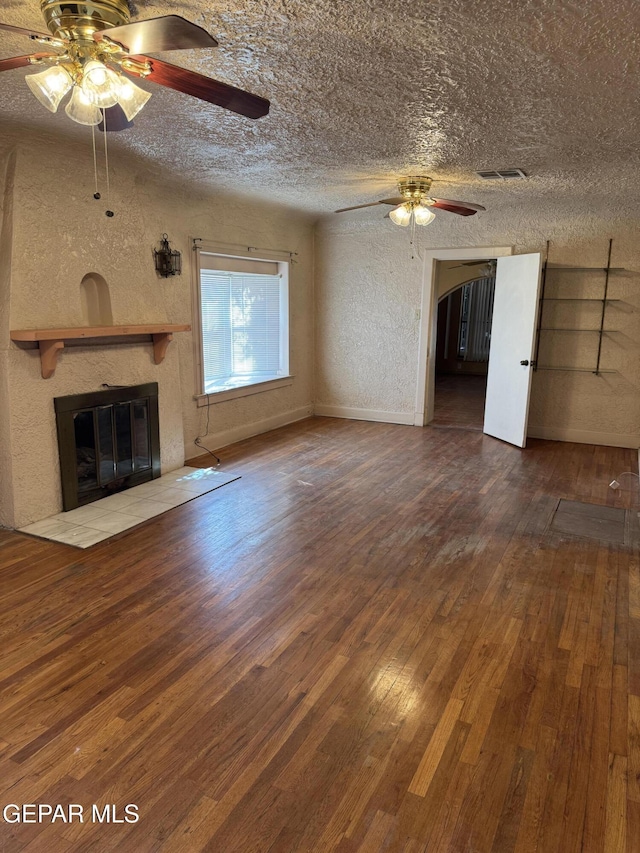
487 267
93 42
413 205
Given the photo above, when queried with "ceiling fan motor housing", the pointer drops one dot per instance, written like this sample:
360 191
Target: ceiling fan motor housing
415 188
75 21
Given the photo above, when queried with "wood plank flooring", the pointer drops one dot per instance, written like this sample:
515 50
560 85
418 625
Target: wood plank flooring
371 642
459 400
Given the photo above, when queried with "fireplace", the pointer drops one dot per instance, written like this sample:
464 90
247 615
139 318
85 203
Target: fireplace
108 441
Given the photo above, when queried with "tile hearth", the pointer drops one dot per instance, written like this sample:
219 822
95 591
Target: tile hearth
102 519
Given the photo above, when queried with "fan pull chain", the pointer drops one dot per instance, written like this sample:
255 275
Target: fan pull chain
96 194
109 212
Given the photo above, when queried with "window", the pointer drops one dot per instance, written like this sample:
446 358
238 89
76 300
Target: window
476 312
244 321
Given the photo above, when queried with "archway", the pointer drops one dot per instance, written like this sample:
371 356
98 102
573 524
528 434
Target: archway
463 340
425 387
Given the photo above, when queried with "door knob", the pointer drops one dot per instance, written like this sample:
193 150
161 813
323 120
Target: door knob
525 363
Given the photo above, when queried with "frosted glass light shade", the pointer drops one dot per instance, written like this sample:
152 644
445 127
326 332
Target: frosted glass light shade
50 86
131 97
400 215
423 215
81 109
100 84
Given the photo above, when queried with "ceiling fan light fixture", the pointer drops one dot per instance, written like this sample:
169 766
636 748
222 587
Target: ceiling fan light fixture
487 270
131 97
81 110
401 215
50 86
423 214
100 84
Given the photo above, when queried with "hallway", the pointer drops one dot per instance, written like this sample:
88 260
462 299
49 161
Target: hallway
460 401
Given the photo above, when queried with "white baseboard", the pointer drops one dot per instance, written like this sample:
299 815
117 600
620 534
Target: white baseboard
221 439
585 436
364 414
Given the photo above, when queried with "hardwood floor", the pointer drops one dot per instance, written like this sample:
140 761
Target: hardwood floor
459 401
371 642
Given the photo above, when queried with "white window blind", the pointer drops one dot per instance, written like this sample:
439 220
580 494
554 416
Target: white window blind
474 339
243 334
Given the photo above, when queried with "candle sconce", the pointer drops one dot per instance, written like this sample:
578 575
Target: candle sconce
168 261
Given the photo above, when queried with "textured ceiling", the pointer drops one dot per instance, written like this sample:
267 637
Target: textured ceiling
365 91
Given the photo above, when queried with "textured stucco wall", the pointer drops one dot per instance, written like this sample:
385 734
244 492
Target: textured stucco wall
7 175
367 320
368 290
61 233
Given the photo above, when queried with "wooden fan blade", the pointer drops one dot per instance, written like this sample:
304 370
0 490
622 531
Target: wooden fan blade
14 62
460 203
114 120
205 88
481 263
21 61
168 32
357 207
394 201
32 34
453 208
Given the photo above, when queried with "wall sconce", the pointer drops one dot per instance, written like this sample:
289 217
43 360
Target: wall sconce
168 260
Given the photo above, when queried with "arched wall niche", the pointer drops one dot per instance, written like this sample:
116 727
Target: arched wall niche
96 300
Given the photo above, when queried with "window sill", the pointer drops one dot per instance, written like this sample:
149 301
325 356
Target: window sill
242 391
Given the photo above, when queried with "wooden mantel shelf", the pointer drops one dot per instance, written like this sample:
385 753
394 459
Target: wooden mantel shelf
51 341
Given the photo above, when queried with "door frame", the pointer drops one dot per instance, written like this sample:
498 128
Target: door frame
426 379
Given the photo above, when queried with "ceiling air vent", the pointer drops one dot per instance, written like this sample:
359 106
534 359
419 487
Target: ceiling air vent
492 174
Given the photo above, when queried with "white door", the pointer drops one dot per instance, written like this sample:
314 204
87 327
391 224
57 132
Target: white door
513 338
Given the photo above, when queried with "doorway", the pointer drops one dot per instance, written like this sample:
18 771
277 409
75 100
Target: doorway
425 386
463 337
513 339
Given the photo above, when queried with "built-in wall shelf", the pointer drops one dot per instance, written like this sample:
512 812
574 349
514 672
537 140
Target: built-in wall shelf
578 299
573 369
51 341
562 329
603 302
551 268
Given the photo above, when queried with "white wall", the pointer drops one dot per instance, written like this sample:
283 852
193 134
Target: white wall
59 234
369 289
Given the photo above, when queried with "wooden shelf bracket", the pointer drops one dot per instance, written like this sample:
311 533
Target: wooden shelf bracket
49 357
160 343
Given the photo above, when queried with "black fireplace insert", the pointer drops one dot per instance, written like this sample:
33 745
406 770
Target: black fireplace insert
108 441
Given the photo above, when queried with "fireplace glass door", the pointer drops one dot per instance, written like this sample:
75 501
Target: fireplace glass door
107 442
